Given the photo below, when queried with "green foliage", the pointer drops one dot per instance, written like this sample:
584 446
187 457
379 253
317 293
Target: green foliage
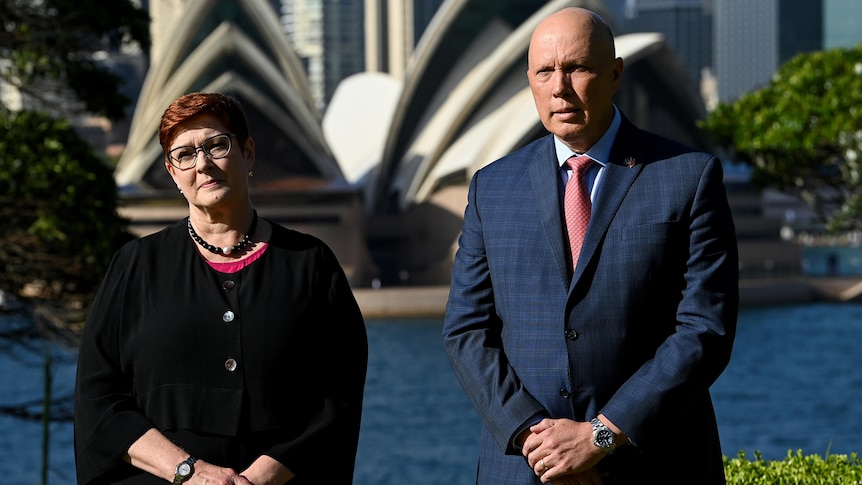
59 207
847 217
795 469
48 45
57 198
802 133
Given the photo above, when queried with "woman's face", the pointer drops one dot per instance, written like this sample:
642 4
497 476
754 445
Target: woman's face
211 183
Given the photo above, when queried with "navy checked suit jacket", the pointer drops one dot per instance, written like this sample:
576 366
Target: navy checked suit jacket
639 332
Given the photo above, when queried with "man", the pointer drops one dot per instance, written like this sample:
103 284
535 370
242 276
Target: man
594 371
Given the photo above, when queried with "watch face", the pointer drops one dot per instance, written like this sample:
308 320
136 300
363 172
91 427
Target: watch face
605 438
184 469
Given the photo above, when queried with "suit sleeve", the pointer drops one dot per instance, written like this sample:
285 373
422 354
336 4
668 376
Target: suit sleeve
472 336
691 358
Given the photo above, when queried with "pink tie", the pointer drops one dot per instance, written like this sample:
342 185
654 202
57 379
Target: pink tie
577 204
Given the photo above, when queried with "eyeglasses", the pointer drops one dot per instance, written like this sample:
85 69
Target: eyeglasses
215 147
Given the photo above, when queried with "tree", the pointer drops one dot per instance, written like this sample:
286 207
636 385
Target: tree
802 133
59 207
49 47
58 199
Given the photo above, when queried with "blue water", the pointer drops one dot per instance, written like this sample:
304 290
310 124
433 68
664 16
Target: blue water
22 381
794 382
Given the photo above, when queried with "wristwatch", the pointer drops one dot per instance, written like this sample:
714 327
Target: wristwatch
185 470
603 437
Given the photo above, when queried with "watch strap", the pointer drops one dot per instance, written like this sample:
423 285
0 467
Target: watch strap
603 437
180 477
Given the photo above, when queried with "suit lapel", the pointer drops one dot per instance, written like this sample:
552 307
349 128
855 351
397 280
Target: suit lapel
544 176
619 174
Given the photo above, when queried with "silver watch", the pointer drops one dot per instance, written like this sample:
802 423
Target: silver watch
185 470
603 437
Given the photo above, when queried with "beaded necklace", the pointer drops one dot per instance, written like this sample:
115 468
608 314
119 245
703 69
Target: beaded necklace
244 242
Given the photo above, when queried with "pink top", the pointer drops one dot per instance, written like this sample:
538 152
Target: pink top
235 266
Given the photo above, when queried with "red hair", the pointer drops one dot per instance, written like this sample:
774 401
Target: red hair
189 106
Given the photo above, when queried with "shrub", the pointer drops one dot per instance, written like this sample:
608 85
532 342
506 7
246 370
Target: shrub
795 469
58 203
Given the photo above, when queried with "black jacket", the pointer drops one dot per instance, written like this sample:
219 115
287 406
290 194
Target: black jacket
159 342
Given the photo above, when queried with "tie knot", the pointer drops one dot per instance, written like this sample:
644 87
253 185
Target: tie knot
579 164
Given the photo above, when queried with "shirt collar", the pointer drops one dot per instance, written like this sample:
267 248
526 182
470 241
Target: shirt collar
600 152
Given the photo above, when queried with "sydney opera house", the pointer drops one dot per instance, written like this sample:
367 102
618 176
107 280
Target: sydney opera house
382 174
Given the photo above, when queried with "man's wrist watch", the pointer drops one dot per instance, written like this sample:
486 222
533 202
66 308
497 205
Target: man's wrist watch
603 437
185 470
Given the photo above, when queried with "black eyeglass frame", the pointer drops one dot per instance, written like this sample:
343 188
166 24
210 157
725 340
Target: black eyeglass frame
202 147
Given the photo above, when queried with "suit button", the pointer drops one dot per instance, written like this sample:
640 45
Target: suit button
572 334
228 285
565 394
228 316
230 365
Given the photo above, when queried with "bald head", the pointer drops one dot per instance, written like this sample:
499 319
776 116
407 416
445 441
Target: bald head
580 23
574 72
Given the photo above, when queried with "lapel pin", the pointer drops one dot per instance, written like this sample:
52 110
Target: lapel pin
630 162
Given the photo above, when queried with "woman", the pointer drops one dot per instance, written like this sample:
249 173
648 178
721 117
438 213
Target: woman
225 348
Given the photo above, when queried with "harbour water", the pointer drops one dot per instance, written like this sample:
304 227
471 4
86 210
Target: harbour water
794 382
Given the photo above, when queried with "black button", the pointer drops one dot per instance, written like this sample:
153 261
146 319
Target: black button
228 285
565 394
572 334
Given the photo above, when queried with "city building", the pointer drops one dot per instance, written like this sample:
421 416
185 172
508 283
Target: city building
329 38
731 47
392 30
841 23
685 24
753 38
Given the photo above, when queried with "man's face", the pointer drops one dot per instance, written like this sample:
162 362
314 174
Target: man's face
573 76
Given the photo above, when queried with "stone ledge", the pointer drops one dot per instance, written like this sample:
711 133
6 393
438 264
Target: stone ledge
402 302
430 301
